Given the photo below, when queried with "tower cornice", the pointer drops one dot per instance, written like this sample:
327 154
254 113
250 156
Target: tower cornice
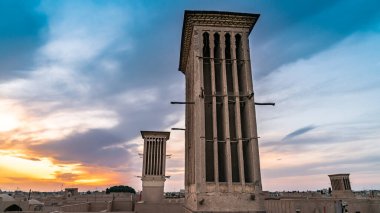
211 19
162 134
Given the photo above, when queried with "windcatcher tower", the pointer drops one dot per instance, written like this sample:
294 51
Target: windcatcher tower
341 185
222 171
153 174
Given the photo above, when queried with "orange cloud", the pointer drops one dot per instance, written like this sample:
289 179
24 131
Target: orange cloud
23 168
24 172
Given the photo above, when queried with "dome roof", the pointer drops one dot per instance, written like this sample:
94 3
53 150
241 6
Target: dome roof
34 202
6 197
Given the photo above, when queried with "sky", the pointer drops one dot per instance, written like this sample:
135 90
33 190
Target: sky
79 80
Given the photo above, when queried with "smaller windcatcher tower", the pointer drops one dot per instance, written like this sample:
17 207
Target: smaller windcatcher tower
341 186
153 173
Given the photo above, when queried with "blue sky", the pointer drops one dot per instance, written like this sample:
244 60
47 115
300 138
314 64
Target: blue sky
80 79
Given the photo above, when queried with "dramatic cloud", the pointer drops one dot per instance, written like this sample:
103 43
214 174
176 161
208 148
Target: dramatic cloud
79 80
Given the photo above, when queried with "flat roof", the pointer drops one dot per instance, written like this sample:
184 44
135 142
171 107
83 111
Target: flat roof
210 18
342 174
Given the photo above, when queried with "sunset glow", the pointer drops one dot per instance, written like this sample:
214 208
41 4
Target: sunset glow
16 166
9 122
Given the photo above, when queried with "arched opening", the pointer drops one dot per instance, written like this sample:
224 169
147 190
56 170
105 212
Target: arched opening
13 208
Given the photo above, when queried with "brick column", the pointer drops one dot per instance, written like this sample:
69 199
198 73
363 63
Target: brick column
226 122
252 115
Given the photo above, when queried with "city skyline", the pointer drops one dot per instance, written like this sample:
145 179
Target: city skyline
79 80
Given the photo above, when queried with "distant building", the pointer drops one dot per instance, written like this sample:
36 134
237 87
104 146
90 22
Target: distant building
342 200
71 192
8 203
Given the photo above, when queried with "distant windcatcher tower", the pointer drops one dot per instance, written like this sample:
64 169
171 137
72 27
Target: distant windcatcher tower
222 171
341 185
153 174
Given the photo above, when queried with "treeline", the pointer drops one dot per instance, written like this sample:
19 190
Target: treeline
120 188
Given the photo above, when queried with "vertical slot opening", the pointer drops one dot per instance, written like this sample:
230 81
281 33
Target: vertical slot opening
219 109
209 151
146 158
154 156
240 63
149 157
163 158
235 162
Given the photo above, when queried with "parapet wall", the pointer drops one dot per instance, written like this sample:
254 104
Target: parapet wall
122 205
80 207
159 208
117 206
321 205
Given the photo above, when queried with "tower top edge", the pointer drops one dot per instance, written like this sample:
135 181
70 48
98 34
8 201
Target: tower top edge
145 134
212 19
338 175
216 12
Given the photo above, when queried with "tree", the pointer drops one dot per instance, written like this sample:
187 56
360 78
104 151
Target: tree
120 188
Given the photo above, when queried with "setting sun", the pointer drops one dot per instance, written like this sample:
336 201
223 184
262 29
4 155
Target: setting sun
8 122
